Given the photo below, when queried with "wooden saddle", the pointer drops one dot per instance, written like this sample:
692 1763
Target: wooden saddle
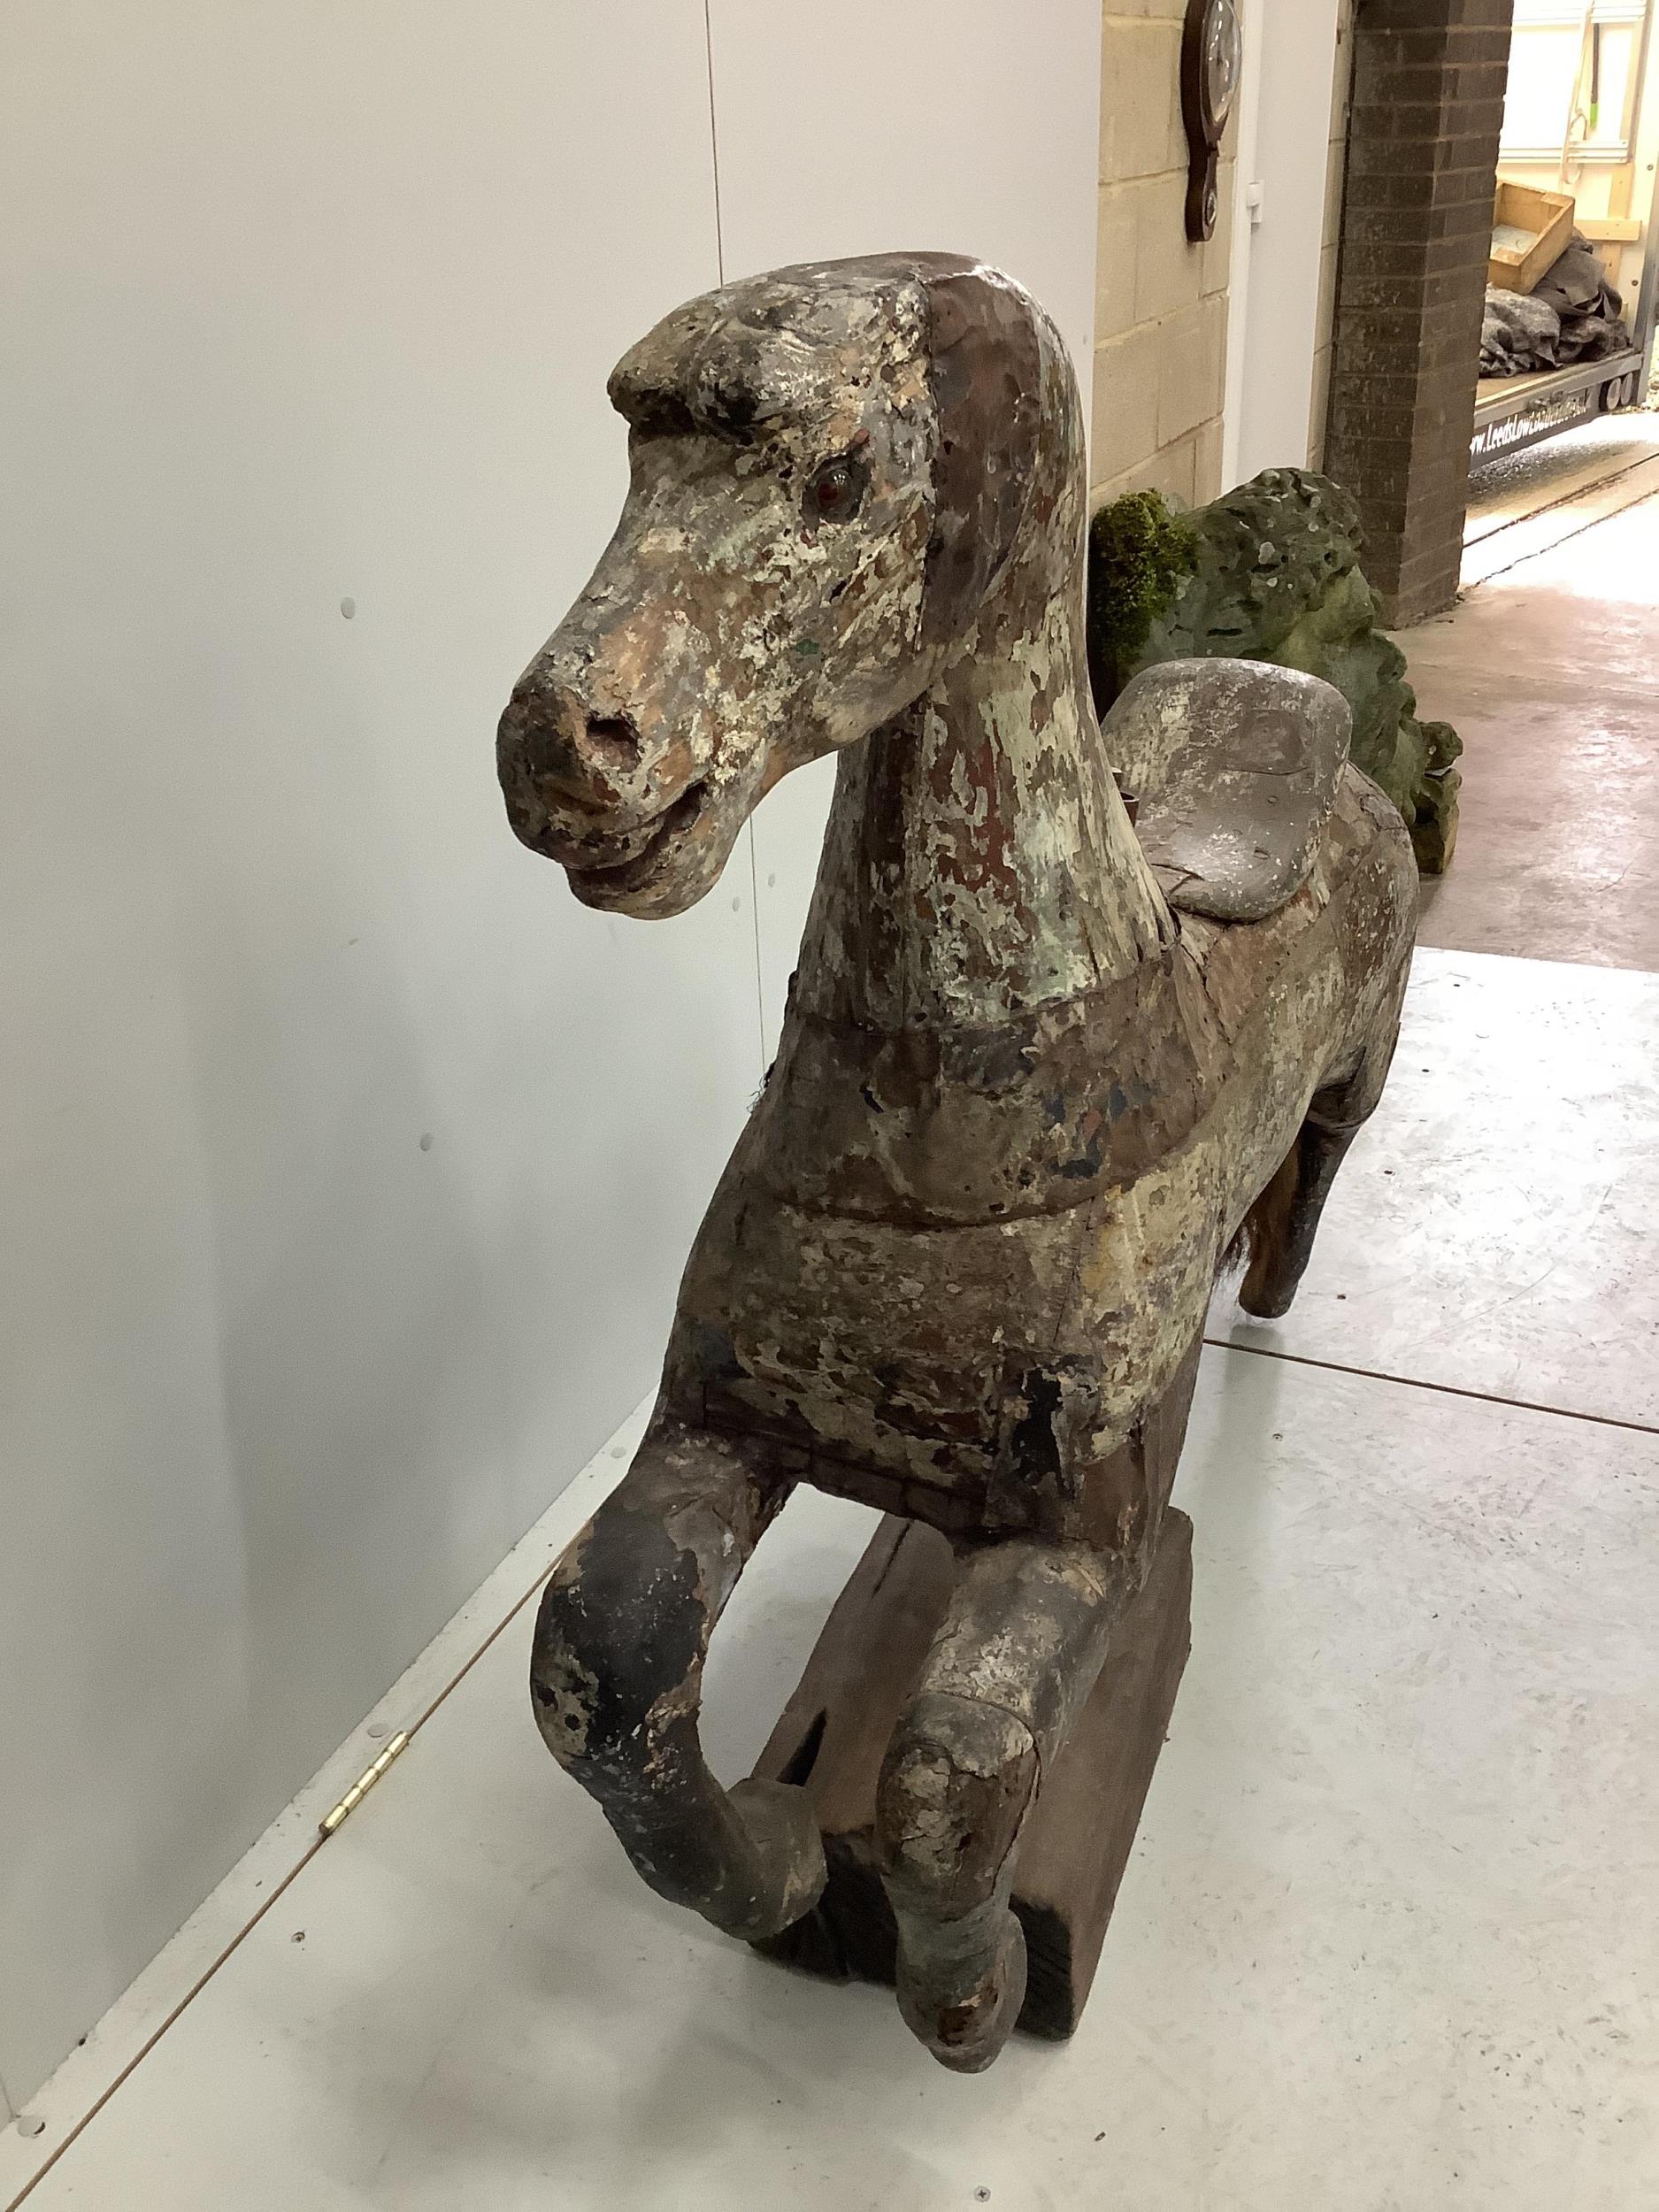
1234 766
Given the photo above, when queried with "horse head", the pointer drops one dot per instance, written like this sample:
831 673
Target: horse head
830 466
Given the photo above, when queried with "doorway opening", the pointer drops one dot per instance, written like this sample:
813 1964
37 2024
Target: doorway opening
1562 434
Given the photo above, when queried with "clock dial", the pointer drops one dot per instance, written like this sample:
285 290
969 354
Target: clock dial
1222 54
1212 53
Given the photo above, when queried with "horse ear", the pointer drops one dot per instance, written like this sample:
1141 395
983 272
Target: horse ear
984 366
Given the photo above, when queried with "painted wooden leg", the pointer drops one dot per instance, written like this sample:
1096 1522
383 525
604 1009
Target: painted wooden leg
1279 1229
1014 1659
616 1679
1284 1219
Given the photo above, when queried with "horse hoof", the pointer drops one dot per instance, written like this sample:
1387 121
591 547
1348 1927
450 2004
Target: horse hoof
787 1867
1267 1306
967 2034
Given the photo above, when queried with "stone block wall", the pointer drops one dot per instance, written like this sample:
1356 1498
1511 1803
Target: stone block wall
1423 147
1161 303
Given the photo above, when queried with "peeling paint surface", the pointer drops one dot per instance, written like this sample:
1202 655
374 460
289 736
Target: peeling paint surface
1034 1077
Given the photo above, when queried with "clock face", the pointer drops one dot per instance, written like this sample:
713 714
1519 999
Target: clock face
1213 55
1224 48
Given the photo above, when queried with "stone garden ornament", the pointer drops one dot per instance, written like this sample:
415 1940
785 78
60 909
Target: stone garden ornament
1270 572
1046 1059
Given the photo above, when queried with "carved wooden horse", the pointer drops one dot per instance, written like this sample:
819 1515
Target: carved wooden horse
1037 1070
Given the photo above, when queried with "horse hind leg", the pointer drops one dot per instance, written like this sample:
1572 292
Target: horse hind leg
616 1681
1018 1651
1276 1235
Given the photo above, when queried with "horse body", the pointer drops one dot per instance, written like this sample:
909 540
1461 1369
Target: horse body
953 1266
959 1263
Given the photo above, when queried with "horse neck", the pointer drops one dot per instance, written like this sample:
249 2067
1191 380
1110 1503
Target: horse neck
978 861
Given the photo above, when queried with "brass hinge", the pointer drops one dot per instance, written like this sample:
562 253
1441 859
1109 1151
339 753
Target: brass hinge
364 1784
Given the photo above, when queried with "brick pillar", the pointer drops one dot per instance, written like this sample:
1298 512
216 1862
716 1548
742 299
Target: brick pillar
1416 224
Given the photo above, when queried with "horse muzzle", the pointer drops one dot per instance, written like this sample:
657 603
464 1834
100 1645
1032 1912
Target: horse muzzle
632 834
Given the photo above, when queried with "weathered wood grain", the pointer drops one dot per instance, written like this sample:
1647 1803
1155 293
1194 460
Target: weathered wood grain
959 1261
832 1739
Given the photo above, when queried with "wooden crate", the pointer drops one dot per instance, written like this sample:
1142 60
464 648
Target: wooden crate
1547 220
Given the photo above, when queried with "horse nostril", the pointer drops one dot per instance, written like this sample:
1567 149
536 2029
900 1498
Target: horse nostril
611 740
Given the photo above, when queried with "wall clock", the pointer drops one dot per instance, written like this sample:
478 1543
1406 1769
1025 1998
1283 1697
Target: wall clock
1212 48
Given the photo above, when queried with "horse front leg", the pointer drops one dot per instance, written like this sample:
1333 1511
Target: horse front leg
1014 1660
617 1671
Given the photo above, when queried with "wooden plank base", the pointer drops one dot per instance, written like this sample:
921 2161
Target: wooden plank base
833 1733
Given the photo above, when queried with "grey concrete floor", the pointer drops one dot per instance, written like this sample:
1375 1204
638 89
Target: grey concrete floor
1547 669
1386 1942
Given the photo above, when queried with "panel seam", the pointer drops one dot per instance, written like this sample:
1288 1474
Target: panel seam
720 267
714 142
222 1958
1445 1390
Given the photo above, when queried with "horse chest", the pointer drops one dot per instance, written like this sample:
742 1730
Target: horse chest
921 1231
898 1245
936 1128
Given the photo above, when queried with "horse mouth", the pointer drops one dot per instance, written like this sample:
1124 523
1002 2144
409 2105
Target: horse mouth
600 881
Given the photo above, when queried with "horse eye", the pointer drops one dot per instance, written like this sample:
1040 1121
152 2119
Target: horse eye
833 491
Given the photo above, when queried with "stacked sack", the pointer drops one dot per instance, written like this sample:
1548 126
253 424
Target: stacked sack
1572 314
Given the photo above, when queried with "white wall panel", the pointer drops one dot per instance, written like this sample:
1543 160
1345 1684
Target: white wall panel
966 125
347 1165
1284 155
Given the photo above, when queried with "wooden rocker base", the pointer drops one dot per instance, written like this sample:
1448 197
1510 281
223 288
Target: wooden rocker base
833 1733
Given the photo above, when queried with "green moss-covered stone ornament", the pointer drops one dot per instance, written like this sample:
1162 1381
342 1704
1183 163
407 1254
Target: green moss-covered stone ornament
1140 555
1270 572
